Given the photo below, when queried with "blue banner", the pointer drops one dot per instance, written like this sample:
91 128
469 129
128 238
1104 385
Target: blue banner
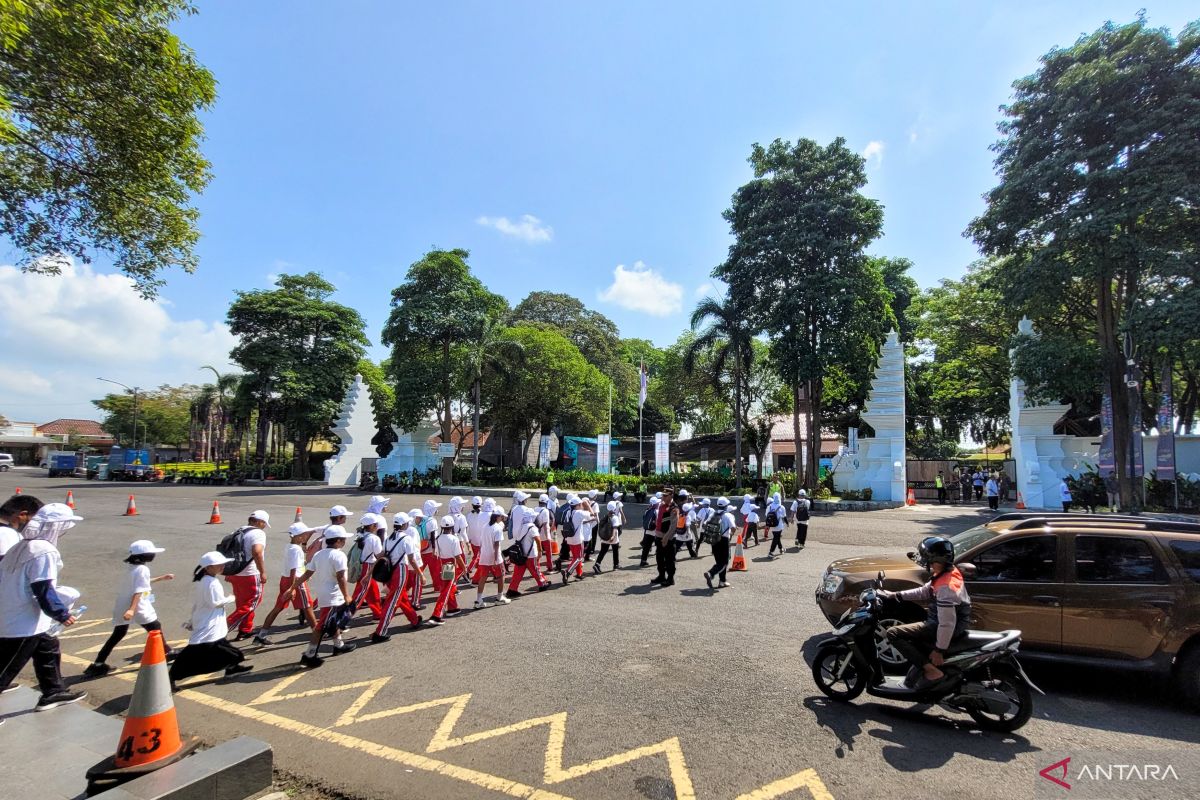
1164 467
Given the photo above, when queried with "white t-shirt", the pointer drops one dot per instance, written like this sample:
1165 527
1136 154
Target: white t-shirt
412 545
1064 492
581 520
447 547
136 581
494 535
752 517
293 561
728 523
543 520
616 513
371 548
208 611
20 614
8 537
325 566
552 507
253 536
526 538
780 515
477 523
518 516
585 530
460 528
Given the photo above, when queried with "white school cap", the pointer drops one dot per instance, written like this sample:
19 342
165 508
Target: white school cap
476 500
334 532
261 516
212 559
704 501
681 493
591 493
573 500
339 511
298 529
617 495
520 496
543 499
371 521
655 501
400 518
722 502
144 547
416 513
447 521
687 507
552 491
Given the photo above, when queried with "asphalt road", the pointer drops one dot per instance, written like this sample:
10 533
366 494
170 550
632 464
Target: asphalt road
609 688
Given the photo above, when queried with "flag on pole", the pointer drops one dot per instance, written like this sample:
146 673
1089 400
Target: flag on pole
642 389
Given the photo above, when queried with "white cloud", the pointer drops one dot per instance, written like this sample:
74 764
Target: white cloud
706 289
643 289
64 331
528 228
873 150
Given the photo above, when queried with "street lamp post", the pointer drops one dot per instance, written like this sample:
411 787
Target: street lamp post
134 391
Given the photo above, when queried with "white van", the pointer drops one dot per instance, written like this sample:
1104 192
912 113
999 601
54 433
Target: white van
6 461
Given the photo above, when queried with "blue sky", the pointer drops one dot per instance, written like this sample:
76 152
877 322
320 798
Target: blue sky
350 138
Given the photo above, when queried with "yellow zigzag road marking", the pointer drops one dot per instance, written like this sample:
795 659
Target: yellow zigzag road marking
133 646
442 740
82 626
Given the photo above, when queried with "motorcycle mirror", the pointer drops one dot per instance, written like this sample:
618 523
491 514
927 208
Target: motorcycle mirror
967 569
912 556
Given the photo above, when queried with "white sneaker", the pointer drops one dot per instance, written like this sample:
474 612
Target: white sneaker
503 599
480 604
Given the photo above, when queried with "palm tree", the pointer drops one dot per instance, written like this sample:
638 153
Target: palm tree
225 388
489 352
731 340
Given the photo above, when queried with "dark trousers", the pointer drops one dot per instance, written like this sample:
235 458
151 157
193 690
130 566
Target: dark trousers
665 557
691 545
1066 506
915 640
720 558
966 493
776 542
648 541
616 551
47 661
118 634
978 492
801 532
942 495
993 502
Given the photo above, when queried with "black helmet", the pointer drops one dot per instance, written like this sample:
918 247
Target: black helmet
935 548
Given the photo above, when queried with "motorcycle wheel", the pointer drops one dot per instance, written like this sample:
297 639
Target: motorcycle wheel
825 672
1008 682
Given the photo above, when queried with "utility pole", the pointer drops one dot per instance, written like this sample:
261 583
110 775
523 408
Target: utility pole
134 391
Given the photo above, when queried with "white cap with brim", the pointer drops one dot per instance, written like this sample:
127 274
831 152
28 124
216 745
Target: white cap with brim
334 532
447 521
339 511
543 499
519 496
722 501
298 529
213 559
371 521
261 516
57 512
400 518
144 547
476 500
617 495
573 500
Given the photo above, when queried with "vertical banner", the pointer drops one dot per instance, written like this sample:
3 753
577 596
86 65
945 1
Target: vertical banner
852 441
1107 457
769 460
1164 466
1135 421
662 453
704 458
603 454
544 452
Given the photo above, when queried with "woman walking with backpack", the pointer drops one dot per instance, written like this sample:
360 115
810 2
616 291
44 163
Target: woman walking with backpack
616 523
528 554
725 523
371 528
443 566
649 528
801 511
394 567
776 516
247 583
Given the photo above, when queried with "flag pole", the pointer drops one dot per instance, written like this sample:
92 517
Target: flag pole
641 402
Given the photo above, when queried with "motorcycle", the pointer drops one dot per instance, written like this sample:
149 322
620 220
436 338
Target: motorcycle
982 675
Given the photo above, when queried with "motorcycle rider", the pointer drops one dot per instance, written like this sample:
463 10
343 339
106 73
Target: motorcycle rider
924 644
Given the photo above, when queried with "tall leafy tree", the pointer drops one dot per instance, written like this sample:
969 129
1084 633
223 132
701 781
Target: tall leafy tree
801 228
163 416
435 315
489 352
904 290
383 404
1099 165
300 350
100 134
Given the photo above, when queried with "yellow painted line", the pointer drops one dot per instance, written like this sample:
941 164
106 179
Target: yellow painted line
805 779
82 626
132 646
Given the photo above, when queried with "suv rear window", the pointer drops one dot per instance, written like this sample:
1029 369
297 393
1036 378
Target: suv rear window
1188 553
1116 559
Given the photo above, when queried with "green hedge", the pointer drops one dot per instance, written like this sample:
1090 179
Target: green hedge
702 483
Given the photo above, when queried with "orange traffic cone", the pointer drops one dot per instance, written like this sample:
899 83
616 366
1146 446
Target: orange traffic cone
911 500
18 490
1020 501
738 564
70 499
297 519
553 547
131 509
150 738
215 517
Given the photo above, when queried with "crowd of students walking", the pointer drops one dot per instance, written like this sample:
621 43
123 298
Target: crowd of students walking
384 572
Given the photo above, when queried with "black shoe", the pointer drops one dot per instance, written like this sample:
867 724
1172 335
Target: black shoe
12 687
708 580
434 621
656 580
668 583
311 661
241 637
416 626
643 564
238 669
262 640
97 670
541 587
346 648
563 574
511 593
380 638
58 699
595 569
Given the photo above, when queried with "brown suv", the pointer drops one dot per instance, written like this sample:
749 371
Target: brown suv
1115 590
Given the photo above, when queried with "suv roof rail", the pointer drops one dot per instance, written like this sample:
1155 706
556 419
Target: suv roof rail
1118 523
1009 516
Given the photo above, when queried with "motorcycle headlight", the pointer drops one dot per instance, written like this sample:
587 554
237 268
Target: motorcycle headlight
831 584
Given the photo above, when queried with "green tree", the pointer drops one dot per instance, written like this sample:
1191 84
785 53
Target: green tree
164 416
435 315
529 398
904 291
383 403
100 134
594 334
490 351
299 349
801 228
1099 164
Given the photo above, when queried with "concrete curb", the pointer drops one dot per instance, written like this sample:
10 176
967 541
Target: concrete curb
232 770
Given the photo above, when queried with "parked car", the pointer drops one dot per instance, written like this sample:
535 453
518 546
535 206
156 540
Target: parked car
6 462
1106 590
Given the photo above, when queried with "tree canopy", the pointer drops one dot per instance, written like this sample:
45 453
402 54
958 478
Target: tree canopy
100 134
163 416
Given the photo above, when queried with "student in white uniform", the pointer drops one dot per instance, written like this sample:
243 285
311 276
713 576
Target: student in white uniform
207 650
247 585
327 570
616 524
374 528
31 601
516 514
649 529
776 518
592 505
460 530
527 540
703 514
134 603
579 518
491 561
477 522
683 535
291 591
447 549
801 511
543 521
15 515
378 505
721 545
401 550
749 520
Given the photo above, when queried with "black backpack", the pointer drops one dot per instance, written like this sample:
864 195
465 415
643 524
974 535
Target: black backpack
567 526
648 518
711 532
772 518
233 547
561 515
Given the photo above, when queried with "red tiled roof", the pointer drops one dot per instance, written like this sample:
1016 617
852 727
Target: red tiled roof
467 438
80 427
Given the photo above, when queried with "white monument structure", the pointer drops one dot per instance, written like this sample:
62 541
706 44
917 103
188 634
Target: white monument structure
355 427
880 463
1043 458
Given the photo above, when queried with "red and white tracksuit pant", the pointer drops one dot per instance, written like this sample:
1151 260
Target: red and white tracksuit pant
576 559
300 598
447 590
367 591
397 599
519 570
247 594
546 553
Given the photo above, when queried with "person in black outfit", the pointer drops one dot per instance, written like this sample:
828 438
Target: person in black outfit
668 518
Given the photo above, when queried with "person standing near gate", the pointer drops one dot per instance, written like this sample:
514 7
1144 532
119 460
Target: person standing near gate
801 510
992 489
977 482
721 545
940 483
